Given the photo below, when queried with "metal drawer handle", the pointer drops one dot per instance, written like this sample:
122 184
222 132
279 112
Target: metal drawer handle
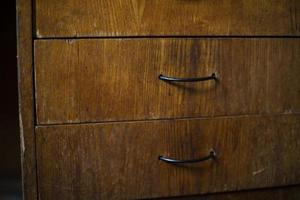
174 79
212 155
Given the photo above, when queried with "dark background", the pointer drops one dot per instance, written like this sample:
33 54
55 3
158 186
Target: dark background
10 164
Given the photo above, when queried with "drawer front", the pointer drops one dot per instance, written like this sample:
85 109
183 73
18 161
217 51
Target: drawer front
120 160
116 80
77 18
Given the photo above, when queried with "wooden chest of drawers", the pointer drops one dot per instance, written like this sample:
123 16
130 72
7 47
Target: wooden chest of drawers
141 99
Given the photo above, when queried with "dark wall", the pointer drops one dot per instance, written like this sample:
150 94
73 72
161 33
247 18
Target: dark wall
10 170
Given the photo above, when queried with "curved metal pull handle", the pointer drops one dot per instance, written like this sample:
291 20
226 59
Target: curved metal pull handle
212 155
174 79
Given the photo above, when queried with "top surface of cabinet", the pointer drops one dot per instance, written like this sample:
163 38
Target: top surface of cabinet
97 18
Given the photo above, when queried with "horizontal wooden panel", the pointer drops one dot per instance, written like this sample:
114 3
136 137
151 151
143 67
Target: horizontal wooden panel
78 18
281 193
116 80
120 160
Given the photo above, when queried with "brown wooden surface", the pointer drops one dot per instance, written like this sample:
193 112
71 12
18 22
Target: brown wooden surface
284 193
77 18
115 79
26 94
120 160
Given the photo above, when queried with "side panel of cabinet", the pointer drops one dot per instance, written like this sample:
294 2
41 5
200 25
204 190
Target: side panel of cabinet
26 95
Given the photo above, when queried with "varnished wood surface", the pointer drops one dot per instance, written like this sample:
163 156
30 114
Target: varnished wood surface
283 193
90 18
120 160
117 79
26 95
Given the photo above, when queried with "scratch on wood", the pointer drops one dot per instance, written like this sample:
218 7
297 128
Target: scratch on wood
258 171
38 35
21 134
69 41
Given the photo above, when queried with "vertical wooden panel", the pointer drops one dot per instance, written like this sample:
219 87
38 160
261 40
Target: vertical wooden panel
26 104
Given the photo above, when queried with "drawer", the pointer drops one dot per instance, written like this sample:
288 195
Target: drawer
120 160
88 18
118 79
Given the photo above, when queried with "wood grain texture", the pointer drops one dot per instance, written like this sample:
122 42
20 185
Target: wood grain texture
117 79
120 160
26 94
283 193
90 18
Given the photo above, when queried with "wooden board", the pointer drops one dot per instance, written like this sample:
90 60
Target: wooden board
115 80
120 160
26 95
282 193
96 18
